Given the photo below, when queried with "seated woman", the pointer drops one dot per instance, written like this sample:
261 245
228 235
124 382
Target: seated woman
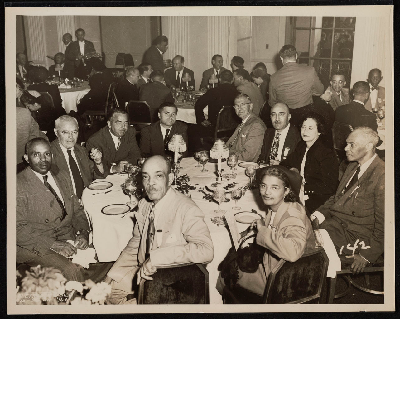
318 164
57 69
286 231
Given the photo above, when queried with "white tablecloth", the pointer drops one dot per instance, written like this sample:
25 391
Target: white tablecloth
112 233
187 114
71 97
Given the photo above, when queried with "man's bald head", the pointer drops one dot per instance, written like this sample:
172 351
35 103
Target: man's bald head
67 38
280 116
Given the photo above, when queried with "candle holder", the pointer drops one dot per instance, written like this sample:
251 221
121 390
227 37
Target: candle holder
177 145
219 151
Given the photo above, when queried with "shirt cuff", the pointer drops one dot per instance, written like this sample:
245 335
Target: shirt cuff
364 258
319 216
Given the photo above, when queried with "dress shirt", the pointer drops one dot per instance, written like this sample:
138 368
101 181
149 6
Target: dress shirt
159 208
82 47
52 182
359 102
145 79
282 138
373 96
164 131
65 152
22 70
116 140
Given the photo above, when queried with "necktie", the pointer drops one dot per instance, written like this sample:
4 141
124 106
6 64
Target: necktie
118 143
166 139
275 145
352 181
217 75
151 230
178 78
60 203
239 129
75 174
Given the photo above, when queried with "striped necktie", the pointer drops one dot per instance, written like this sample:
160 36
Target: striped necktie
76 175
275 145
150 232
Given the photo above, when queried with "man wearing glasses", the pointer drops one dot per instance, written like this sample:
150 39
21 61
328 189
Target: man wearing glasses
248 137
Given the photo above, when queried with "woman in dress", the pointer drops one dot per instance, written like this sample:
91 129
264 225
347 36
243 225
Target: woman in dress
318 165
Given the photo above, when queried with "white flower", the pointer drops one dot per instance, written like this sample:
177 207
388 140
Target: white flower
73 285
99 292
286 151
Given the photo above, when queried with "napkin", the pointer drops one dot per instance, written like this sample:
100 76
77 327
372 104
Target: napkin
330 250
83 257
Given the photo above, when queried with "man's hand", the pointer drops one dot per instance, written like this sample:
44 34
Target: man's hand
359 263
146 271
120 167
206 123
81 241
327 96
96 155
63 248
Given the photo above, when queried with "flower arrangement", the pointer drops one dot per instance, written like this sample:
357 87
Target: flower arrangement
219 151
177 145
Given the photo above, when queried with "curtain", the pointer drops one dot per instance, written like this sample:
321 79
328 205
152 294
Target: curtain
177 32
65 24
36 40
218 38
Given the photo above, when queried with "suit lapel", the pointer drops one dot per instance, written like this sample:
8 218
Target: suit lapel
346 177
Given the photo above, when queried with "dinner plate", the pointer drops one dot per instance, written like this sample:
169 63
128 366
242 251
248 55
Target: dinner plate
246 217
245 164
115 209
100 185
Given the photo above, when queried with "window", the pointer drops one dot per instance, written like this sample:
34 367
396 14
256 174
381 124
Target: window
326 43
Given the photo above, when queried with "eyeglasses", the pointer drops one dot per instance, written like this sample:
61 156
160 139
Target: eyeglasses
241 105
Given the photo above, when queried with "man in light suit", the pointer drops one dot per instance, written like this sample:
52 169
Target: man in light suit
154 54
113 144
282 139
179 76
377 92
354 216
70 157
248 137
243 83
217 61
294 84
76 52
48 214
169 230
155 138
336 95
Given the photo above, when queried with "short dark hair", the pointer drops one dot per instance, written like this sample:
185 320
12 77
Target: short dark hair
59 54
342 73
237 61
167 104
291 197
215 56
226 76
243 73
96 64
114 111
374 70
32 142
319 120
79 30
287 51
180 57
160 39
260 65
143 67
361 87
157 74
26 98
38 74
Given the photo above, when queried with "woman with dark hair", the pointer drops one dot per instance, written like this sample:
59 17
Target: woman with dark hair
317 164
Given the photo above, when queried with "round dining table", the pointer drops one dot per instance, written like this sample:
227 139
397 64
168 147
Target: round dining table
71 96
111 233
186 112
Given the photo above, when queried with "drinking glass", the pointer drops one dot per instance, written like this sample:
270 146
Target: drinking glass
381 113
197 158
219 196
203 159
250 172
232 161
236 194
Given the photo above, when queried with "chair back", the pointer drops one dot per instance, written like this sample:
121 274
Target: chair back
297 282
340 131
177 284
112 101
47 100
119 60
139 113
227 121
265 114
128 60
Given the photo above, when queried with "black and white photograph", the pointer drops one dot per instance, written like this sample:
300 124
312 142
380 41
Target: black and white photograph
200 159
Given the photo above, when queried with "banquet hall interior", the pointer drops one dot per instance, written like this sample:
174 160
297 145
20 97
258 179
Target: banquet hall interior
214 96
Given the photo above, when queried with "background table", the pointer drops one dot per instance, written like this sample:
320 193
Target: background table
71 97
187 114
111 233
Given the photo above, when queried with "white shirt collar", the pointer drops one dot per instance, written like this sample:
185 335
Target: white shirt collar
164 130
52 182
365 166
144 78
245 120
285 130
159 50
40 176
115 139
358 101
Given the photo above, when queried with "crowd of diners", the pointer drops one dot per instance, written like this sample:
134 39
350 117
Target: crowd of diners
285 121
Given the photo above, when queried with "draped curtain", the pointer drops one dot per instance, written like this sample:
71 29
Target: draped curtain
65 24
36 40
177 32
218 37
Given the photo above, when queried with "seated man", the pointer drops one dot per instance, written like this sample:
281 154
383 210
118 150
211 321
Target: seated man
155 93
377 96
243 83
217 62
127 88
155 138
114 145
337 95
354 216
48 214
170 229
179 76
354 113
248 137
145 71
281 140
22 66
70 157
57 69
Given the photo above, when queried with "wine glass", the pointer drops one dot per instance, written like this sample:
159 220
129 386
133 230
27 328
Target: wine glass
250 172
236 194
197 158
203 159
129 188
381 113
232 161
219 196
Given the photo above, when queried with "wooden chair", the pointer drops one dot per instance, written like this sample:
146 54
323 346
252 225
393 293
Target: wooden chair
227 122
177 284
340 131
290 283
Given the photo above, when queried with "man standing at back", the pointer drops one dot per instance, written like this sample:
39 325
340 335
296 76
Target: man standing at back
217 62
69 67
377 92
242 81
294 84
154 54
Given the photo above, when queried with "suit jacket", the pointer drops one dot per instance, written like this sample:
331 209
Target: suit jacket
128 150
170 77
183 237
126 92
207 75
155 93
152 142
381 95
360 209
73 51
27 129
356 115
252 90
321 171
27 68
69 62
85 165
54 92
335 101
215 98
294 84
292 138
141 82
39 222
153 57
247 139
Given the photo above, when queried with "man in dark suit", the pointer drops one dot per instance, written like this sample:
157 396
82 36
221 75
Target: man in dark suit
179 76
58 68
69 66
280 141
69 157
217 61
377 92
354 215
145 71
155 93
354 113
113 144
22 66
77 51
154 54
155 138
127 89
294 84
48 214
